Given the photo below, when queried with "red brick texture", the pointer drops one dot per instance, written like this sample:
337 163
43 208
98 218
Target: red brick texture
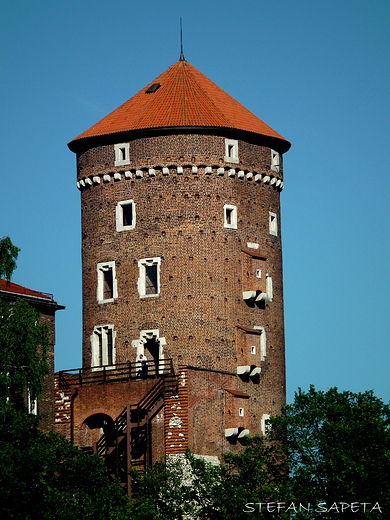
205 267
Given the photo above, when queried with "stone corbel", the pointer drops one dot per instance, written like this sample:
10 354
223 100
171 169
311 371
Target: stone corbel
243 370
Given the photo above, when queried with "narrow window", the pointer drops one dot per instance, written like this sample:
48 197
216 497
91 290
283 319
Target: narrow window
100 347
32 404
122 154
265 426
273 224
149 277
110 347
275 161
127 212
241 412
151 286
253 349
107 284
230 216
103 346
125 215
231 151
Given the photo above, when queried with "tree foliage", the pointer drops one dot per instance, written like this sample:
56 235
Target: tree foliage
8 256
327 454
41 476
44 477
191 488
24 345
338 446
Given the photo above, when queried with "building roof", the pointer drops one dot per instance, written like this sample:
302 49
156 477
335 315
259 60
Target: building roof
13 290
180 97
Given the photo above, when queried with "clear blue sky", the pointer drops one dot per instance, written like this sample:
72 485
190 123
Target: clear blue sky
318 72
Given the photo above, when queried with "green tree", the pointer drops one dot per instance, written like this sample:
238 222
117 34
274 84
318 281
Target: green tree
44 477
8 256
41 476
338 446
190 488
24 345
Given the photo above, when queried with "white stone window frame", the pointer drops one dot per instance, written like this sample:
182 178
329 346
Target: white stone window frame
231 151
275 161
241 412
119 215
32 404
265 428
101 268
143 264
228 209
273 224
263 342
122 154
101 330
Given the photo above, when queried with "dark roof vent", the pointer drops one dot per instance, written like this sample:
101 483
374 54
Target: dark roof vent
153 88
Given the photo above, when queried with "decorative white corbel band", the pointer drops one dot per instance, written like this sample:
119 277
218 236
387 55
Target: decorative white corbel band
233 173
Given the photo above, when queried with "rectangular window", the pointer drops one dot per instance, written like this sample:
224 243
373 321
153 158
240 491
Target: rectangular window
230 216
149 277
125 215
275 161
273 224
265 426
151 274
103 346
107 284
122 154
32 404
231 151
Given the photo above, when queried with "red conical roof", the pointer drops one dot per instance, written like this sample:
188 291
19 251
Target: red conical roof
185 98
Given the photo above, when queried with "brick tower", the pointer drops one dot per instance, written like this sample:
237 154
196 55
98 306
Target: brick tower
182 261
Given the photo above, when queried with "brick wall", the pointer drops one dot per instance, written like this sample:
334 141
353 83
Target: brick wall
180 219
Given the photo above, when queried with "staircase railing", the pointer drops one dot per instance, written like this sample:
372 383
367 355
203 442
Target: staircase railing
114 373
136 415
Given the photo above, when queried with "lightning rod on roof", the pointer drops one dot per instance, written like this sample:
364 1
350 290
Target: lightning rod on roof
182 58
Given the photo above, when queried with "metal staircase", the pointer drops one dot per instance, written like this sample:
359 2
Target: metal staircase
129 442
